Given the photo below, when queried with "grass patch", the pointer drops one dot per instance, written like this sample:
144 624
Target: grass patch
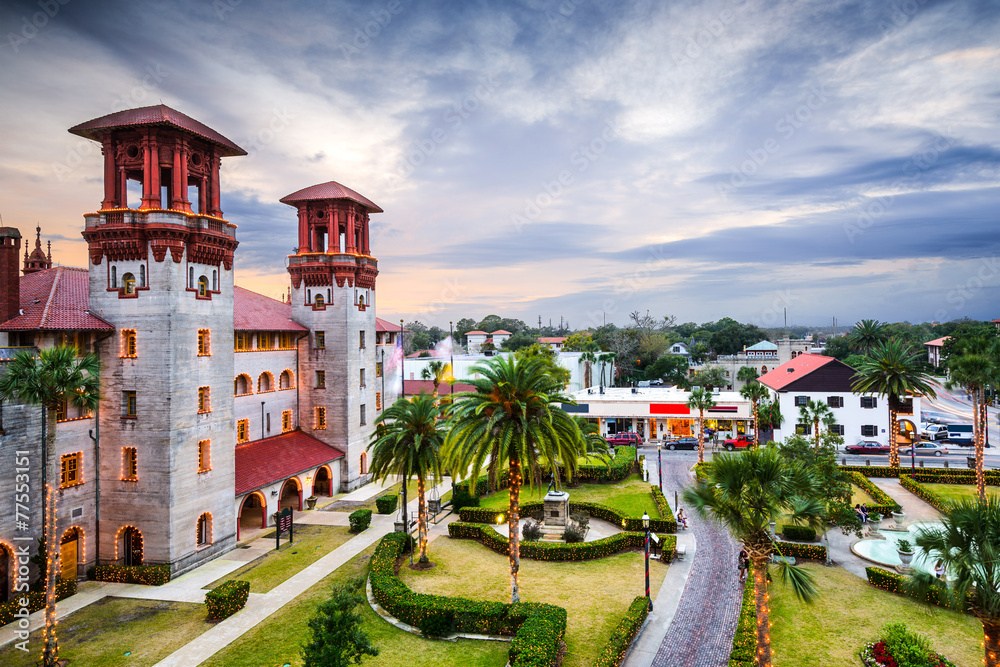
955 492
850 612
311 543
411 490
630 496
594 593
276 641
100 634
859 496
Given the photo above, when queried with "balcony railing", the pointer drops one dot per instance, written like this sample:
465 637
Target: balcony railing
137 218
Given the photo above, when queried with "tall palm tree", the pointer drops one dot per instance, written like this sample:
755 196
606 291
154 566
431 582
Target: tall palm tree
436 371
814 412
589 357
747 374
407 442
769 415
743 493
701 399
604 359
53 378
892 370
866 336
968 544
974 368
513 418
755 392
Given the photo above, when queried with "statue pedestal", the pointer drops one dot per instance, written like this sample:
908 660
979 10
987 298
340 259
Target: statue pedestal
556 509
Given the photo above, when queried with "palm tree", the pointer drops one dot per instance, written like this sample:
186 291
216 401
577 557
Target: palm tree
56 377
589 356
968 544
754 392
814 412
407 442
701 400
892 370
512 418
747 374
604 359
866 336
769 415
743 493
436 371
975 368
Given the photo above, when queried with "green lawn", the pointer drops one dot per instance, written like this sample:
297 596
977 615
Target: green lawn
276 641
100 634
850 613
311 543
859 496
631 496
954 492
594 593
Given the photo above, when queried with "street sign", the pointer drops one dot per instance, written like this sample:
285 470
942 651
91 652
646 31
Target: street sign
283 523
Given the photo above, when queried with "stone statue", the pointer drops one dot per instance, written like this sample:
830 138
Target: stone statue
552 483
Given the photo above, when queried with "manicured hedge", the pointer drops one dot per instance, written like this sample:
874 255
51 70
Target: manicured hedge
799 550
662 506
387 504
884 504
624 633
911 484
992 476
620 468
149 575
894 582
227 598
360 520
609 514
799 533
538 628
559 551
744 651
36 600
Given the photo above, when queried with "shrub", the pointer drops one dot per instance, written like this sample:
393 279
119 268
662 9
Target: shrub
911 483
594 510
618 469
531 531
461 497
440 624
799 533
903 647
884 504
572 536
150 575
35 600
621 637
360 519
581 518
798 550
894 582
745 639
227 598
387 504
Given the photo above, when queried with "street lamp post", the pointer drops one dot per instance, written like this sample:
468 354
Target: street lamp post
645 525
659 465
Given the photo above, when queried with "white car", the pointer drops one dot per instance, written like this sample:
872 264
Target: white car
934 431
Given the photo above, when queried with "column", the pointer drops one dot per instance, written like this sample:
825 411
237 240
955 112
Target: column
154 173
185 202
365 250
351 246
303 229
178 185
215 208
110 197
203 196
147 197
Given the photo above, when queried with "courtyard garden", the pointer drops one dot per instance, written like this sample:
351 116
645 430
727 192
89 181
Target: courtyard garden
631 497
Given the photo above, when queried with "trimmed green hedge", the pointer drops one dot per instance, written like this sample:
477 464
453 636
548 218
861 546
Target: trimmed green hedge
227 598
538 628
149 575
360 520
609 514
992 476
387 504
884 504
799 550
624 633
620 468
559 551
894 582
799 533
744 653
911 484
662 506
35 600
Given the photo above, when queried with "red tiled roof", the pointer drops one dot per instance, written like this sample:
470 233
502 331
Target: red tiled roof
552 339
386 325
473 333
937 342
55 299
270 460
329 190
256 312
793 370
413 387
502 332
155 115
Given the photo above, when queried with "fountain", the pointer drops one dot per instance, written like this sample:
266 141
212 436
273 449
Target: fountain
884 549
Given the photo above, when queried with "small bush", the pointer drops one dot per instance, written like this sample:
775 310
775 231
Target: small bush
35 600
227 598
360 520
799 533
799 550
387 504
745 639
531 531
581 518
572 535
440 624
150 575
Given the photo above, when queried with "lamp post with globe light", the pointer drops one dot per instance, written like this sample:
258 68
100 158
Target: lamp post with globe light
645 525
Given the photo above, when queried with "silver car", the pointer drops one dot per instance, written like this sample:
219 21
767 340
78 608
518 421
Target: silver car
925 449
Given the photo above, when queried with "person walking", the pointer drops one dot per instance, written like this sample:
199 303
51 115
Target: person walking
939 570
743 562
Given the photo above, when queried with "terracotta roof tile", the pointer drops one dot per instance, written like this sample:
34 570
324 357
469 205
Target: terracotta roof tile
793 370
937 342
330 190
55 299
270 460
386 325
256 312
502 332
413 387
552 339
155 115
476 333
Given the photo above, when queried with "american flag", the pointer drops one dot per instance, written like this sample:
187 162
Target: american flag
396 360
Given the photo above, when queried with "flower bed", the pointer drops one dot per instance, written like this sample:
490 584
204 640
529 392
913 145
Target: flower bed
227 598
559 551
150 575
598 511
744 651
624 633
901 646
884 504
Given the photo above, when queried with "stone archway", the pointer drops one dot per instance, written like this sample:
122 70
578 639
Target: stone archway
291 495
7 568
71 553
253 513
129 546
908 433
322 484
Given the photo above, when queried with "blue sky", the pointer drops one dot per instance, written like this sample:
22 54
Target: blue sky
568 158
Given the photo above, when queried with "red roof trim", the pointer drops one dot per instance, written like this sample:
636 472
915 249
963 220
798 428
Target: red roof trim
160 114
329 190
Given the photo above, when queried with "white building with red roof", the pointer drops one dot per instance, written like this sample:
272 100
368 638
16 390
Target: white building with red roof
934 348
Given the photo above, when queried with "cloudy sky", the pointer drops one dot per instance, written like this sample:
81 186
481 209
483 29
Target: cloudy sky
557 158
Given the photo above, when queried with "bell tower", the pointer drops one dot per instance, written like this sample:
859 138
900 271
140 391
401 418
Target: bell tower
333 294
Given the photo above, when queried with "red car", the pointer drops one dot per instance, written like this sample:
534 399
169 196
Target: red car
867 447
739 441
624 439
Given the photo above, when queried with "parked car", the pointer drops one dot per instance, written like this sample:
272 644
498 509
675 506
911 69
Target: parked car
960 434
624 439
683 443
867 447
925 449
741 441
934 431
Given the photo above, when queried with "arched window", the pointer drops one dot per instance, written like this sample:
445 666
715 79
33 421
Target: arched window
202 286
286 380
319 301
265 382
204 537
128 546
242 385
364 463
142 276
114 277
128 282
763 369
215 280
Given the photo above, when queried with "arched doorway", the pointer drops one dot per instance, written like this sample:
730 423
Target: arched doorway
6 572
252 513
70 553
130 546
291 495
321 484
364 463
203 532
908 433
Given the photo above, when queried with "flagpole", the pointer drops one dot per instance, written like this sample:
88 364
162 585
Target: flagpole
451 334
402 363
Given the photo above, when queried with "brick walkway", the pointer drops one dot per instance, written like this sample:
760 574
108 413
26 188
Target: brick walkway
701 633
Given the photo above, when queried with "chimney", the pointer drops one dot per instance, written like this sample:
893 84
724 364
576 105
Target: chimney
10 273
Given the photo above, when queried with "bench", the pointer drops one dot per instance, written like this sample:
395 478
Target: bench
680 551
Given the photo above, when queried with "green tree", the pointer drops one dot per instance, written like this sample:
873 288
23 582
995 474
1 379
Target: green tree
699 352
712 377
968 544
464 326
671 368
974 366
743 493
747 374
549 359
814 412
701 399
336 637
407 442
514 418
518 341
576 342
606 359
755 392
866 336
589 358
838 347
54 378
769 415
437 371
894 371
731 337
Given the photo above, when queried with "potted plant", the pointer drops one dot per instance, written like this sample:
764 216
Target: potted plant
876 522
898 517
311 502
905 550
